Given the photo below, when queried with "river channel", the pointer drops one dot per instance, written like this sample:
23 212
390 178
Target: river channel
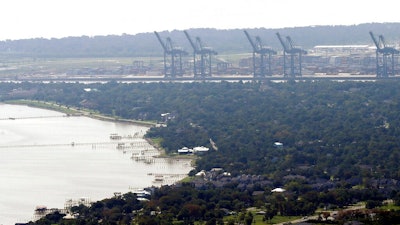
48 158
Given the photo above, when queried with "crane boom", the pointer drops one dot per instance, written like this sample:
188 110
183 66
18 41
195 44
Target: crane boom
382 41
203 48
190 40
169 45
293 47
200 43
259 43
161 42
250 40
375 41
289 40
285 48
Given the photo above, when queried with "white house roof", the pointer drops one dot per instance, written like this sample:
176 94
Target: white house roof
201 173
278 190
185 150
200 149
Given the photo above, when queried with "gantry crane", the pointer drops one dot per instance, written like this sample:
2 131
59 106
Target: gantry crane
385 63
172 57
295 57
202 56
259 65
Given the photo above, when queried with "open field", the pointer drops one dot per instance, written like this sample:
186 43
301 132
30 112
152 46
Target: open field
42 66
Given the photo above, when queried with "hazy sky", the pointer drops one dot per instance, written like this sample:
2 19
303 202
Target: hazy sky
60 18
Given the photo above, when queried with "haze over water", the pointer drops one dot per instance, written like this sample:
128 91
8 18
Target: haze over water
45 161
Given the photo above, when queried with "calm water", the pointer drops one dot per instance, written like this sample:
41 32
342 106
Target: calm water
47 158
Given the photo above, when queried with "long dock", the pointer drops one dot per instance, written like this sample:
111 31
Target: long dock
39 117
137 144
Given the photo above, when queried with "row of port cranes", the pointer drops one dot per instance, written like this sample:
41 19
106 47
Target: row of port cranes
266 61
202 57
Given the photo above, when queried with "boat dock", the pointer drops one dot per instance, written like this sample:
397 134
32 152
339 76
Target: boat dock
134 144
41 117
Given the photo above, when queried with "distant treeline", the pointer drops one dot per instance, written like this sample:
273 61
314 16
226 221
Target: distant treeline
223 41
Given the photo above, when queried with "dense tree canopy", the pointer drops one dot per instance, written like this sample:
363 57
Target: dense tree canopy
340 142
328 129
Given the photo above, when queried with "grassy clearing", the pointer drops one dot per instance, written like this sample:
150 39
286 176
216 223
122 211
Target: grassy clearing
390 207
258 219
156 142
19 66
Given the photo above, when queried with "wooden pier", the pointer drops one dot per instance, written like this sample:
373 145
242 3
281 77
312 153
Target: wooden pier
135 144
41 117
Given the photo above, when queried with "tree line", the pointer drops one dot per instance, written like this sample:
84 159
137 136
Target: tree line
223 41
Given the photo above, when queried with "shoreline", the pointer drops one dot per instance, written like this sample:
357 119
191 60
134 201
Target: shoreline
77 111
72 111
